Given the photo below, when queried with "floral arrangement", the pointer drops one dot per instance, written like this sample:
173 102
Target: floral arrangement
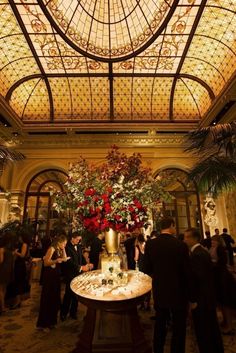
116 194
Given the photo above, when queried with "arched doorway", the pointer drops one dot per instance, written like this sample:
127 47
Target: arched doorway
185 206
39 198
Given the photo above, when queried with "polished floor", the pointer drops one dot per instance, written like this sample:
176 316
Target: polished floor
18 333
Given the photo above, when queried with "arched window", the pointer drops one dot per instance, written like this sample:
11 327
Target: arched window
39 200
185 206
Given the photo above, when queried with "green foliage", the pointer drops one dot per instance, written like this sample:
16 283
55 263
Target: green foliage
215 147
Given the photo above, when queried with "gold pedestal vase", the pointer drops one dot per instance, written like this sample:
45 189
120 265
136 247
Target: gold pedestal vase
112 241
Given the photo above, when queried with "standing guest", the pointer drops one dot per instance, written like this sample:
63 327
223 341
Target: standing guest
139 251
228 241
206 242
153 235
204 312
6 266
46 242
225 285
129 245
20 286
139 260
167 259
72 268
51 285
96 249
85 253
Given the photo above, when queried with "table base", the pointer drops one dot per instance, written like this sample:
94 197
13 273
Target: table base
107 331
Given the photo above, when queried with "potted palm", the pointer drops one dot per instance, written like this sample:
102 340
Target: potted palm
215 147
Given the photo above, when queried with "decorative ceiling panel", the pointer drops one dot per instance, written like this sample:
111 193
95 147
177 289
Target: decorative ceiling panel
91 60
37 106
200 68
9 25
141 98
30 101
188 94
99 98
62 102
123 98
108 29
215 53
16 70
161 98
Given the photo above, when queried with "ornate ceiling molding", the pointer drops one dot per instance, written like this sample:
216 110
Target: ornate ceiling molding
91 141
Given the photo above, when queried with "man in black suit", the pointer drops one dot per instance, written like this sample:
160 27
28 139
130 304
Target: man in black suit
167 260
96 249
72 268
228 241
204 312
129 245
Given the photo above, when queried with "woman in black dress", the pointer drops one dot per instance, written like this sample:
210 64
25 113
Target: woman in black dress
139 260
20 285
51 284
6 266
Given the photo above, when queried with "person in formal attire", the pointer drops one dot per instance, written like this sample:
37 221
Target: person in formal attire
167 260
139 251
139 260
204 315
228 241
96 249
72 268
225 284
50 300
20 286
129 245
206 242
6 266
46 242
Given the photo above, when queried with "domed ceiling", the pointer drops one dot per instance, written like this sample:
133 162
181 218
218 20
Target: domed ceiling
76 62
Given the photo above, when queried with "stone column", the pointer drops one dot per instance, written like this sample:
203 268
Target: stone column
4 207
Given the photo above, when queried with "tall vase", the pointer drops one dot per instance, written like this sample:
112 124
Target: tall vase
112 241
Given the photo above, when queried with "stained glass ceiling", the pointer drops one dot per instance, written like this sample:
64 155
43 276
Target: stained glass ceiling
105 61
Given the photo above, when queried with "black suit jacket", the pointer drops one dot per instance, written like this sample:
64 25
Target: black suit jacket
202 274
72 267
95 249
167 260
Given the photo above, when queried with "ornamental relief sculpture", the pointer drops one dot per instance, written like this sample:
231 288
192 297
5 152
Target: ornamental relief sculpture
210 217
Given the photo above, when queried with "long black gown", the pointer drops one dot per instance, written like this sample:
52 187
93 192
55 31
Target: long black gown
50 296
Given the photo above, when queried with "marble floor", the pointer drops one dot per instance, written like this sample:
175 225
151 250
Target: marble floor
18 333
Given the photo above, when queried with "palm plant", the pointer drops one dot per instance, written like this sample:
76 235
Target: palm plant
215 147
7 154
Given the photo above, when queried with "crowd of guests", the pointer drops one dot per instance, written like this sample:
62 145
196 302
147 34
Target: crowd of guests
187 274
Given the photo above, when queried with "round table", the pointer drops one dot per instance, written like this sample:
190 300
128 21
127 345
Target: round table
112 323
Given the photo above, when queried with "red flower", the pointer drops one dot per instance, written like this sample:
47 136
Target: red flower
107 208
137 204
105 197
89 192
